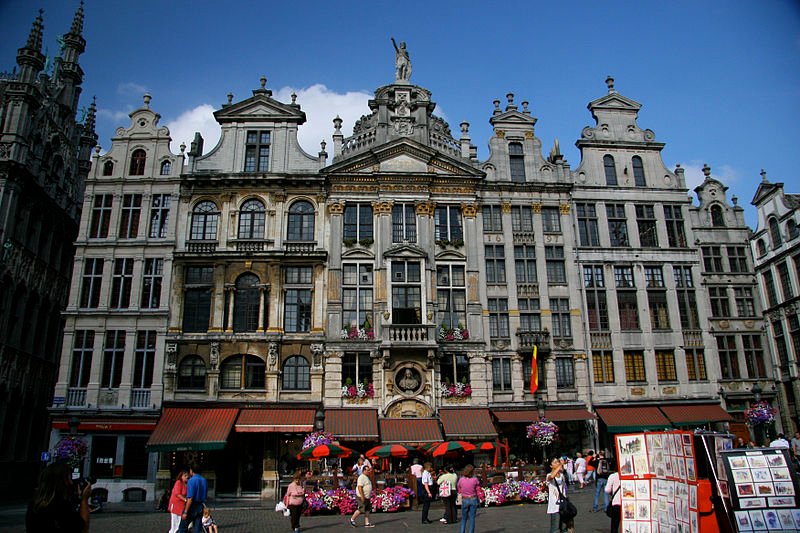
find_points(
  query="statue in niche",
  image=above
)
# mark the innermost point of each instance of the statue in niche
(402, 62)
(409, 382)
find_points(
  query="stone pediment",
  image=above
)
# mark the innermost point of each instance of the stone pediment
(451, 255)
(405, 250)
(765, 189)
(615, 101)
(513, 117)
(357, 253)
(260, 107)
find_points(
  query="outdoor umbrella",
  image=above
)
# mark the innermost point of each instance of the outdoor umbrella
(391, 450)
(451, 446)
(487, 446)
(426, 448)
(326, 450)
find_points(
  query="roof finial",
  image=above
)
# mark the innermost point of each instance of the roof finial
(706, 171)
(337, 124)
(147, 99)
(263, 82)
(294, 98)
(763, 175)
(525, 109)
(511, 105)
(496, 103)
(77, 21)
(610, 85)
(35, 36)
(230, 98)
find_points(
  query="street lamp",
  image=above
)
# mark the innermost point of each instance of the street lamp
(758, 432)
(540, 403)
(756, 390)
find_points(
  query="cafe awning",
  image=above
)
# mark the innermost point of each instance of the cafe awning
(352, 424)
(277, 420)
(515, 416)
(181, 429)
(467, 423)
(410, 430)
(695, 414)
(626, 418)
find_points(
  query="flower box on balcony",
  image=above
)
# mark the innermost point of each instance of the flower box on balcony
(357, 392)
(456, 391)
(458, 333)
(358, 334)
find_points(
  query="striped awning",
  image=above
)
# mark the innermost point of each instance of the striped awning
(633, 418)
(352, 424)
(108, 424)
(275, 420)
(467, 423)
(565, 415)
(410, 430)
(515, 416)
(695, 414)
(183, 428)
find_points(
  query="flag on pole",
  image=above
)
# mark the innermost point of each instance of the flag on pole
(534, 370)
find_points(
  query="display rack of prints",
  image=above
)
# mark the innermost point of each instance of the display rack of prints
(658, 477)
(763, 489)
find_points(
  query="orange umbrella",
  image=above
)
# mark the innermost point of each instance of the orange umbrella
(487, 446)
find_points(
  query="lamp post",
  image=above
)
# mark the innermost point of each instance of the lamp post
(758, 432)
(540, 407)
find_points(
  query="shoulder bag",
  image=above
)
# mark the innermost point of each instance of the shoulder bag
(610, 507)
(566, 509)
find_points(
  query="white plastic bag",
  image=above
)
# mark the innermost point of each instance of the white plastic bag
(286, 512)
(280, 507)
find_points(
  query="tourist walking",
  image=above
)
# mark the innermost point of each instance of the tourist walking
(177, 500)
(556, 488)
(425, 494)
(294, 498)
(591, 465)
(447, 492)
(612, 488)
(468, 489)
(363, 494)
(602, 471)
(580, 469)
(196, 492)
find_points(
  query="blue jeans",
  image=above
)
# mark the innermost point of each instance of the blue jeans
(601, 487)
(469, 506)
(195, 515)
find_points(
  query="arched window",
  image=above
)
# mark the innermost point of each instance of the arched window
(137, 162)
(204, 221)
(516, 162)
(761, 248)
(791, 230)
(296, 373)
(242, 372)
(301, 222)
(245, 303)
(638, 172)
(717, 219)
(251, 220)
(108, 168)
(610, 169)
(166, 168)
(775, 233)
(192, 373)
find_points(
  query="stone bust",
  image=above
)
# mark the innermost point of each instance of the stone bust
(409, 380)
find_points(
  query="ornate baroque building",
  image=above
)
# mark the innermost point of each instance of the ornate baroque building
(393, 291)
(44, 159)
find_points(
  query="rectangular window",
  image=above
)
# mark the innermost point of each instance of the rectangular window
(728, 358)
(687, 304)
(745, 302)
(634, 367)
(495, 263)
(451, 295)
(603, 366)
(297, 306)
(498, 318)
(101, 216)
(151, 283)
(501, 374)
(754, 356)
(129, 217)
(779, 336)
(492, 219)
(527, 359)
(454, 368)
(551, 220)
(596, 303)
(646, 221)
(447, 219)
(665, 366)
(769, 288)
(121, 283)
(623, 277)
(587, 225)
(696, 364)
(659, 314)
(356, 368)
(144, 359)
(521, 219)
(404, 223)
(516, 162)
(91, 282)
(525, 263)
(256, 154)
(357, 286)
(197, 299)
(676, 234)
(617, 225)
(406, 292)
(555, 265)
(565, 373)
(559, 312)
(159, 215)
(720, 305)
(113, 354)
(82, 349)
(530, 318)
(737, 259)
(712, 258)
(786, 281)
(358, 222)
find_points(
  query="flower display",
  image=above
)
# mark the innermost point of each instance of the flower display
(358, 334)
(760, 413)
(542, 432)
(456, 390)
(70, 449)
(458, 333)
(512, 491)
(357, 391)
(317, 438)
(343, 501)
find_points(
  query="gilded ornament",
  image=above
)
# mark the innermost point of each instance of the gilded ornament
(536, 207)
(505, 207)
(564, 208)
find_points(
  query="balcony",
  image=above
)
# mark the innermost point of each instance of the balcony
(251, 245)
(529, 339)
(409, 333)
(76, 397)
(600, 340)
(140, 399)
(693, 338)
(300, 247)
(201, 247)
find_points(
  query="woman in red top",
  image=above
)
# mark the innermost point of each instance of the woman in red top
(177, 500)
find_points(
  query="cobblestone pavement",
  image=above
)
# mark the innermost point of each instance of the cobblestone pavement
(251, 517)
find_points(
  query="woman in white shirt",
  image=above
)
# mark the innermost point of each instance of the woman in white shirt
(613, 488)
(556, 481)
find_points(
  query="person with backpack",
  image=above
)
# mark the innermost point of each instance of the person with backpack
(602, 471)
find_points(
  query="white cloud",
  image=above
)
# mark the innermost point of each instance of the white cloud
(183, 128)
(131, 89)
(694, 174)
(115, 117)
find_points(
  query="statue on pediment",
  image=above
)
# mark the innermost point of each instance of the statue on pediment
(402, 62)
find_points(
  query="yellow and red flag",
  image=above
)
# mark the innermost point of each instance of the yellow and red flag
(534, 370)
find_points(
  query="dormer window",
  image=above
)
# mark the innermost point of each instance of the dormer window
(108, 168)
(610, 169)
(256, 155)
(516, 162)
(717, 219)
(137, 162)
(166, 168)
(638, 172)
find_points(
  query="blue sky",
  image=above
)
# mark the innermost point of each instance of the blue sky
(719, 81)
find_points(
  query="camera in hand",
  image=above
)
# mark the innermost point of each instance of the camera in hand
(88, 480)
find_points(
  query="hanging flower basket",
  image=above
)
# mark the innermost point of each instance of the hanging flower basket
(317, 438)
(542, 432)
(71, 450)
(760, 413)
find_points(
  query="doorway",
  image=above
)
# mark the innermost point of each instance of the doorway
(240, 466)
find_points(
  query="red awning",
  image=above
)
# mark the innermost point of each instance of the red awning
(107, 424)
(410, 430)
(695, 414)
(182, 429)
(632, 418)
(352, 424)
(275, 420)
(565, 415)
(467, 423)
(516, 416)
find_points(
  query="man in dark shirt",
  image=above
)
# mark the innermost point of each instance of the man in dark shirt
(196, 492)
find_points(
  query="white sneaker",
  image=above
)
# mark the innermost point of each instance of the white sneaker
(443, 520)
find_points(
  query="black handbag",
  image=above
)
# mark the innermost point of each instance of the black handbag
(566, 509)
(610, 507)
